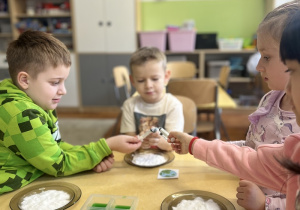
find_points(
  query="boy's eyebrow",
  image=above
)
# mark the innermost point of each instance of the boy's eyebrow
(57, 78)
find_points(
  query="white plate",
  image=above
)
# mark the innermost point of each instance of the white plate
(174, 199)
(73, 190)
(169, 157)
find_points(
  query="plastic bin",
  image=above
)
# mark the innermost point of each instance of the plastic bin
(230, 44)
(153, 39)
(214, 67)
(182, 40)
(110, 202)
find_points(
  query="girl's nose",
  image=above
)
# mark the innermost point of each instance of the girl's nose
(259, 66)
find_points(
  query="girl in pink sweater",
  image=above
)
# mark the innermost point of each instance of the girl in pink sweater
(275, 166)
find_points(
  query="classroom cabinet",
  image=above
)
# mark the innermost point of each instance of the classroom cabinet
(105, 26)
(3, 67)
(71, 99)
(105, 37)
(96, 78)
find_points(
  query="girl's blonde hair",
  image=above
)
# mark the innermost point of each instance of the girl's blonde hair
(275, 21)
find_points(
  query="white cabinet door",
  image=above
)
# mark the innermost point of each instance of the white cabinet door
(71, 99)
(89, 25)
(105, 25)
(120, 25)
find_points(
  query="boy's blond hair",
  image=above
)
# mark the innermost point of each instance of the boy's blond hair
(144, 54)
(33, 52)
(276, 20)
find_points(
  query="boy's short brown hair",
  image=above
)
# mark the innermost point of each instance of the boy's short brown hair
(33, 52)
(145, 54)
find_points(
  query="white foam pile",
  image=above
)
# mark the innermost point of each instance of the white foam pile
(148, 159)
(197, 204)
(45, 200)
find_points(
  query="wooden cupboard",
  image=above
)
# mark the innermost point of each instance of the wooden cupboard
(105, 26)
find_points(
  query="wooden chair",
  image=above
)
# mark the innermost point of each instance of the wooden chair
(121, 78)
(204, 92)
(190, 114)
(181, 69)
(224, 77)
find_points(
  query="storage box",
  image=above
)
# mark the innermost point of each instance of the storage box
(230, 44)
(214, 67)
(110, 202)
(153, 39)
(182, 40)
(206, 41)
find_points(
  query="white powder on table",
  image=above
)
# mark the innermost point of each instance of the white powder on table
(197, 204)
(148, 159)
(46, 200)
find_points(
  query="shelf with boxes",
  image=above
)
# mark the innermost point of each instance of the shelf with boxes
(52, 16)
(210, 61)
(207, 60)
(187, 45)
(5, 26)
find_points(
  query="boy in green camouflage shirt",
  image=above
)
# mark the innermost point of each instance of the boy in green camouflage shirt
(30, 142)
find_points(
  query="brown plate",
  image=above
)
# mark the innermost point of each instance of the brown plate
(174, 199)
(169, 156)
(73, 190)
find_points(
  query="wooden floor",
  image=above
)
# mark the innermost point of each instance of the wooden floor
(235, 121)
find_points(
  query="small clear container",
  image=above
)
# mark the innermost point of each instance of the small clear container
(110, 202)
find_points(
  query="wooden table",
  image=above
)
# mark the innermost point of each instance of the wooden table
(124, 179)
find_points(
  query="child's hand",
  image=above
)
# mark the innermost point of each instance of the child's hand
(123, 143)
(250, 196)
(155, 139)
(151, 140)
(180, 141)
(105, 164)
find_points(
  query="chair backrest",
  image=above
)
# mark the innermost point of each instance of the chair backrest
(189, 113)
(181, 69)
(201, 91)
(204, 92)
(121, 78)
(224, 77)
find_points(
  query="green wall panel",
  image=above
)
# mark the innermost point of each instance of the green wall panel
(228, 18)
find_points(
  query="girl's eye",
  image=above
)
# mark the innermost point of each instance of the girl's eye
(155, 79)
(289, 71)
(266, 58)
(140, 81)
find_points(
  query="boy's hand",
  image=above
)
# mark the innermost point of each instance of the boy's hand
(155, 139)
(123, 143)
(151, 140)
(250, 196)
(105, 164)
(179, 141)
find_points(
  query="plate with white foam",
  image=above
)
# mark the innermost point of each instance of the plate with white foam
(149, 158)
(191, 198)
(52, 195)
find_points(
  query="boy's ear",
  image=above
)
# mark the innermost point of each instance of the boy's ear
(23, 79)
(131, 80)
(167, 76)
